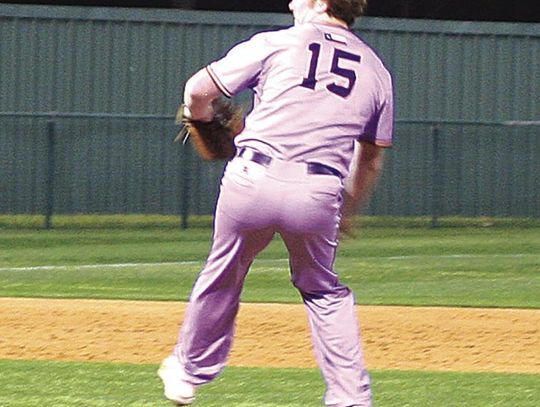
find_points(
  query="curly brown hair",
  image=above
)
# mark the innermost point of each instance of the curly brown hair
(346, 10)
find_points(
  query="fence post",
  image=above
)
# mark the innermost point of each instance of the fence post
(436, 177)
(49, 203)
(186, 181)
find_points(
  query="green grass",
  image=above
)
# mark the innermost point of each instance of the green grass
(478, 262)
(60, 384)
(496, 266)
(99, 221)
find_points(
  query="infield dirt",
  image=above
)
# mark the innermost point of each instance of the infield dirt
(273, 335)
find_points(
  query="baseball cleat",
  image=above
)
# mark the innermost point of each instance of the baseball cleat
(176, 390)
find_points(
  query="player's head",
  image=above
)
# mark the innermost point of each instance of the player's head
(305, 11)
(346, 10)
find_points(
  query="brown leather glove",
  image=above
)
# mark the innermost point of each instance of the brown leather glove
(213, 140)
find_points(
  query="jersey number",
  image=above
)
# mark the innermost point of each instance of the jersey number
(348, 74)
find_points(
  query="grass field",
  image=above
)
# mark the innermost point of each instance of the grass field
(462, 266)
(103, 385)
(465, 263)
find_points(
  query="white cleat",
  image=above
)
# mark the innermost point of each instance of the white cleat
(175, 388)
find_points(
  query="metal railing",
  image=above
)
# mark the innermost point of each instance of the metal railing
(436, 182)
(51, 132)
(437, 170)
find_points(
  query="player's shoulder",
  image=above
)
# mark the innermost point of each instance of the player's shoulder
(372, 58)
(278, 37)
(367, 49)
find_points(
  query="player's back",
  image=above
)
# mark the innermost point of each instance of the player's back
(320, 88)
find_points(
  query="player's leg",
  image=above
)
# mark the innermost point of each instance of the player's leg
(207, 332)
(333, 320)
(241, 231)
(311, 239)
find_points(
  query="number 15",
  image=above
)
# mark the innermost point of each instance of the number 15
(348, 74)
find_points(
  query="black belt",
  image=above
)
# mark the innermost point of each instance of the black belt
(265, 160)
(255, 156)
(321, 169)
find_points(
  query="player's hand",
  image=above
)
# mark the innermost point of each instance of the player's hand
(348, 227)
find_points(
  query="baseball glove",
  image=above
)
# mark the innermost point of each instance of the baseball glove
(213, 140)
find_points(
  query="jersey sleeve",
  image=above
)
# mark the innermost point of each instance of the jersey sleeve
(380, 129)
(240, 68)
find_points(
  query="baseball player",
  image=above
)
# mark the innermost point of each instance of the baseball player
(322, 100)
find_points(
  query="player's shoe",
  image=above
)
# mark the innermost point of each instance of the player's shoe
(176, 389)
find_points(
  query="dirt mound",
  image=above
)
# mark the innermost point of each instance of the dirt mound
(272, 335)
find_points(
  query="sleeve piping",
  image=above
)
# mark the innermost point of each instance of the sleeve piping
(218, 82)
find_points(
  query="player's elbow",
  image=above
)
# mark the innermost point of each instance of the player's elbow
(372, 158)
(192, 91)
(376, 165)
(200, 88)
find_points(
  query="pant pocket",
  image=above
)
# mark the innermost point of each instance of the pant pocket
(327, 189)
(244, 172)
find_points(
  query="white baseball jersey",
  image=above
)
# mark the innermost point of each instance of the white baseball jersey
(317, 88)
